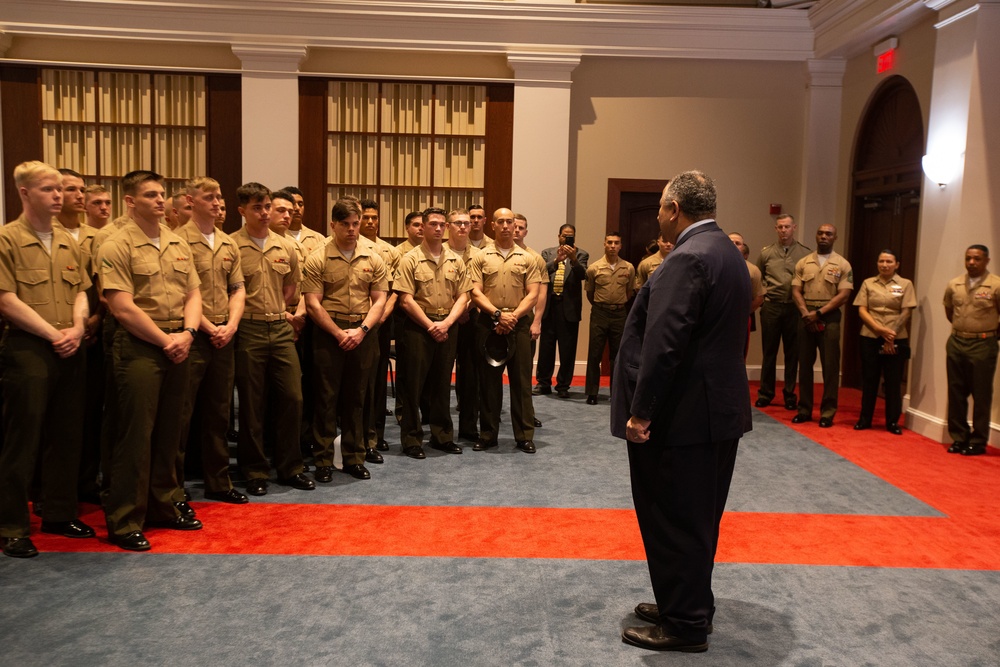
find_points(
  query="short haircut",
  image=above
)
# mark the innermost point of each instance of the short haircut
(69, 172)
(785, 216)
(411, 215)
(979, 246)
(694, 192)
(132, 180)
(341, 211)
(568, 226)
(293, 190)
(889, 251)
(351, 202)
(282, 194)
(454, 213)
(27, 174)
(520, 216)
(615, 233)
(434, 210)
(179, 194)
(201, 184)
(369, 203)
(97, 189)
(475, 207)
(251, 192)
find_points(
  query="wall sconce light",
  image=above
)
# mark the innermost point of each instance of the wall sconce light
(942, 168)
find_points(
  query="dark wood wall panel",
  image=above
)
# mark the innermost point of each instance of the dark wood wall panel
(21, 108)
(499, 146)
(225, 139)
(312, 151)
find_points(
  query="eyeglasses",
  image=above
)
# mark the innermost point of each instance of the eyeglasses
(461, 223)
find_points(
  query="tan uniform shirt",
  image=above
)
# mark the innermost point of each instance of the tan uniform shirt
(885, 302)
(435, 285)
(404, 247)
(467, 254)
(219, 269)
(777, 266)
(102, 235)
(310, 239)
(267, 271)
(346, 285)
(540, 263)
(976, 311)
(85, 239)
(390, 255)
(47, 282)
(820, 285)
(505, 280)
(609, 285)
(756, 281)
(646, 268)
(484, 243)
(157, 278)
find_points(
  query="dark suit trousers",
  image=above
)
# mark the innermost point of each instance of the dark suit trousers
(778, 326)
(873, 366)
(556, 330)
(680, 494)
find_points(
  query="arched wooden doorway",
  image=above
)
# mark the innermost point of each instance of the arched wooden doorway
(885, 195)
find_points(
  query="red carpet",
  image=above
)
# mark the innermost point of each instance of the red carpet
(968, 537)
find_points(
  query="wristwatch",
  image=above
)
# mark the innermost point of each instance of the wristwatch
(191, 331)
(496, 314)
(364, 327)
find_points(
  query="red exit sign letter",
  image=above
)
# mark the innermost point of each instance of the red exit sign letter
(886, 61)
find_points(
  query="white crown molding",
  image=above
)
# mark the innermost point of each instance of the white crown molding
(488, 26)
(846, 28)
(258, 58)
(543, 68)
(826, 73)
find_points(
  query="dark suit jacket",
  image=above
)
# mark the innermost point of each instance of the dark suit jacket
(680, 363)
(571, 303)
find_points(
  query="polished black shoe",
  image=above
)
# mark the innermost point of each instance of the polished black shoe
(825, 422)
(895, 429)
(591, 400)
(382, 446)
(541, 389)
(974, 450)
(231, 496)
(357, 471)
(178, 523)
(373, 456)
(19, 547)
(862, 425)
(73, 528)
(762, 402)
(563, 393)
(791, 404)
(526, 446)
(649, 612)
(134, 541)
(537, 423)
(957, 447)
(300, 482)
(415, 452)
(187, 496)
(801, 419)
(185, 509)
(257, 487)
(324, 474)
(469, 436)
(655, 638)
(482, 445)
(447, 447)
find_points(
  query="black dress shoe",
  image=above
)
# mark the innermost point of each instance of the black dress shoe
(973, 450)
(801, 419)
(895, 429)
(762, 402)
(862, 425)
(357, 471)
(73, 528)
(179, 523)
(373, 456)
(649, 612)
(537, 423)
(791, 404)
(655, 638)
(231, 496)
(382, 446)
(563, 393)
(185, 509)
(825, 422)
(300, 482)
(526, 446)
(957, 447)
(187, 496)
(482, 445)
(324, 474)
(257, 487)
(19, 547)
(591, 400)
(447, 447)
(134, 541)
(540, 389)
(415, 452)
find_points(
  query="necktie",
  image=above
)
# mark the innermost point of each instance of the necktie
(560, 277)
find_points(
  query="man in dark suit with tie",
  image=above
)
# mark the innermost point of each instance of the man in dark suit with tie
(567, 268)
(680, 397)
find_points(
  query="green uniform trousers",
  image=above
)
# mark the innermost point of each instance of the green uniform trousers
(828, 343)
(109, 418)
(606, 327)
(779, 325)
(425, 371)
(341, 384)
(207, 408)
(267, 371)
(151, 392)
(376, 396)
(468, 361)
(42, 412)
(522, 412)
(971, 364)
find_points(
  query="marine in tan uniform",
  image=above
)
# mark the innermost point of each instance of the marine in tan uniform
(149, 280)
(972, 304)
(649, 264)
(43, 300)
(468, 356)
(609, 286)
(520, 232)
(757, 291)
(267, 366)
(177, 211)
(308, 237)
(413, 226)
(823, 283)
(477, 231)
(212, 358)
(505, 284)
(97, 206)
(345, 288)
(433, 289)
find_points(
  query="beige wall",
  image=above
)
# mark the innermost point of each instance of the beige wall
(740, 122)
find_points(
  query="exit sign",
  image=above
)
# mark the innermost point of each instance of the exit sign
(886, 61)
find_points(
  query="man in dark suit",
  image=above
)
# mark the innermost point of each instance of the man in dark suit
(680, 397)
(567, 268)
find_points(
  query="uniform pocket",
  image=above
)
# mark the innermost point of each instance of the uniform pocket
(144, 277)
(33, 286)
(71, 285)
